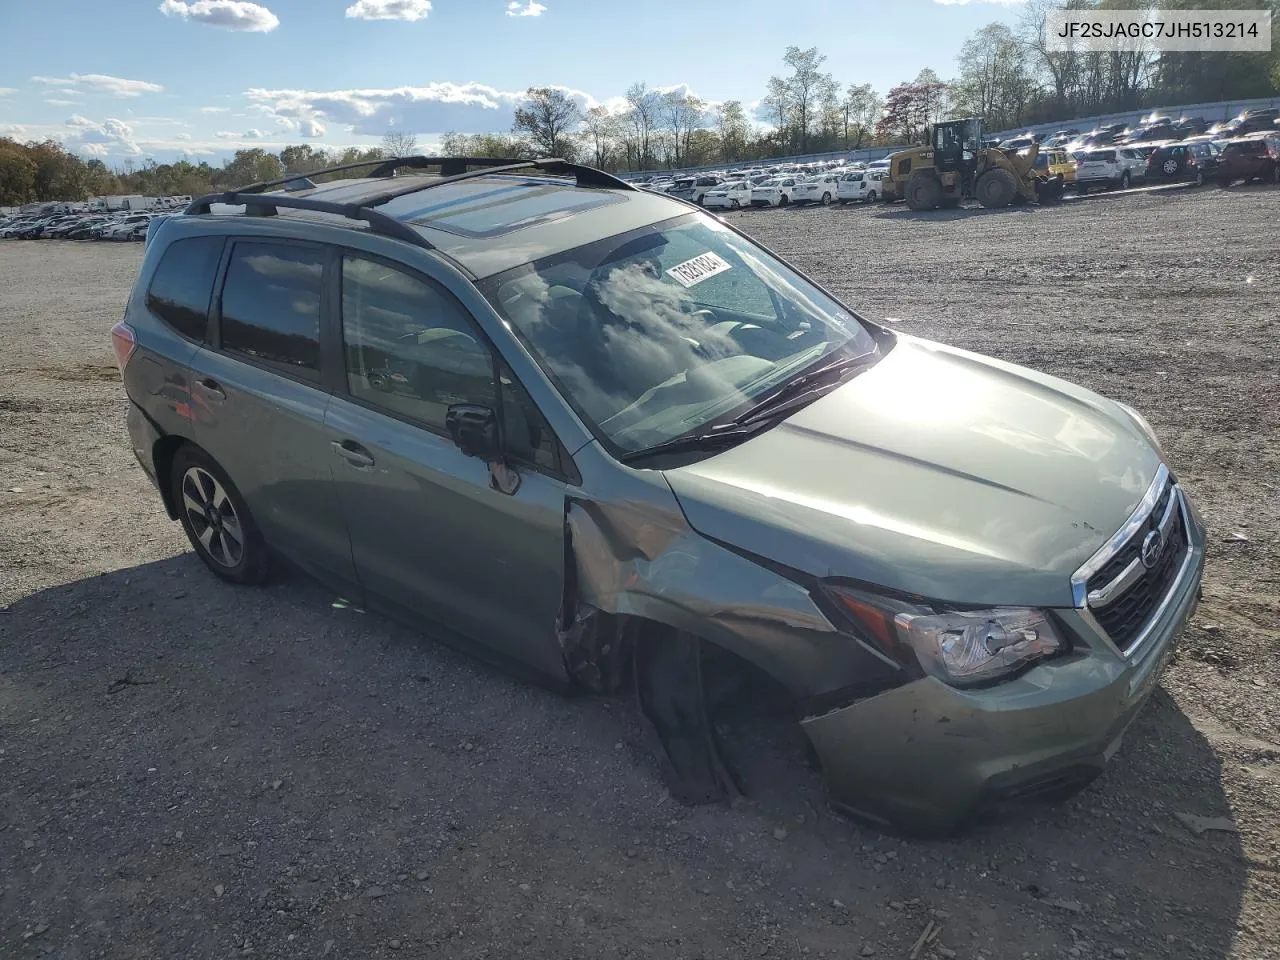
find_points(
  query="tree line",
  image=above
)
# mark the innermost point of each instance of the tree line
(1005, 74)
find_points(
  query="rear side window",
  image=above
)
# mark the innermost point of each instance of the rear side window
(271, 306)
(183, 284)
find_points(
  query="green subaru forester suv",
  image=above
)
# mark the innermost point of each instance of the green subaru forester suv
(601, 437)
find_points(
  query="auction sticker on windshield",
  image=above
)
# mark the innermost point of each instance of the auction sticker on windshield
(692, 272)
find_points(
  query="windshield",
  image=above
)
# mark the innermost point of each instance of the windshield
(661, 331)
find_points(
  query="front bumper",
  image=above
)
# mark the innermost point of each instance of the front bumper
(924, 757)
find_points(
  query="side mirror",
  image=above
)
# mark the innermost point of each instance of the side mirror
(474, 429)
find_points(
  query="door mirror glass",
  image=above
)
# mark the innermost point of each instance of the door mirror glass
(475, 430)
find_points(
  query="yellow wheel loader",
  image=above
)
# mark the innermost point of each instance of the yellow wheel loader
(952, 165)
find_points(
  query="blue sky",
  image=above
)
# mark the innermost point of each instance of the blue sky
(160, 78)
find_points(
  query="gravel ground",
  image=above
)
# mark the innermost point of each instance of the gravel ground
(191, 769)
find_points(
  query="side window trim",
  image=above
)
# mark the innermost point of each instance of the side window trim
(219, 287)
(568, 472)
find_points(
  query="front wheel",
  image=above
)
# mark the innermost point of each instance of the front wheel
(1199, 178)
(826, 199)
(871, 197)
(216, 519)
(734, 204)
(783, 200)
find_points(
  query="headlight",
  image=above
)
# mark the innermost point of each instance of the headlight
(1143, 425)
(961, 648)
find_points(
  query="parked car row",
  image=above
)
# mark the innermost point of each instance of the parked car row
(820, 183)
(77, 226)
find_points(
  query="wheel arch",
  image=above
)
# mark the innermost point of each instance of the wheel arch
(163, 452)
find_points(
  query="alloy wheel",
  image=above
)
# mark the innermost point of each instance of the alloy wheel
(213, 517)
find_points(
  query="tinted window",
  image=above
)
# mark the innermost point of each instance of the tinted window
(410, 348)
(183, 284)
(271, 306)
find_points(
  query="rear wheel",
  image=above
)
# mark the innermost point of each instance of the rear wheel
(996, 188)
(923, 191)
(734, 204)
(216, 518)
(826, 199)
(871, 197)
(1124, 180)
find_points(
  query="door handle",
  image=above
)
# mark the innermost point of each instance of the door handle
(353, 453)
(209, 387)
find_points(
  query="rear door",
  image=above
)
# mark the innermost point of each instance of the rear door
(433, 533)
(262, 401)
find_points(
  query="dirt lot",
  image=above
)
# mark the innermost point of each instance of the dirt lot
(193, 770)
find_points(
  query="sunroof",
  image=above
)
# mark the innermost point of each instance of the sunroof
(493, 206)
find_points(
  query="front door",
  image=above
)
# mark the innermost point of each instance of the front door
(432, 534)
(261, 402)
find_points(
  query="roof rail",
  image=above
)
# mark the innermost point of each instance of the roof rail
(387, 166)
(259, 203)
(266, 206)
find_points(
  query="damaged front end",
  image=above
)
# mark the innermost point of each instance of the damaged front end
(647, 599)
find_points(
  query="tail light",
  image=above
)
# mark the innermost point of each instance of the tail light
(123, 342)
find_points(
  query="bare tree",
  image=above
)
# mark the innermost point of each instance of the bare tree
(600, 129)
(397, 143)
(642, 116)
(680, 114)
(548, 119)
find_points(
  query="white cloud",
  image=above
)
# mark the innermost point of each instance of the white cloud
(250, 134)
(433, 108)
(215, 109)
(389, 9)
(110, 137)
(531, 8)
(101, 83)
(312, 129)
(5, 91)
(183, 136)
(237, 15)
(62, 103)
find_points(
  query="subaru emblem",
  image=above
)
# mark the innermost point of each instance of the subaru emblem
(1152, 547)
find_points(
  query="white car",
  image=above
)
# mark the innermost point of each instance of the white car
(863, 185)
(773, 193)
(819, 188)
(123, 230)
(729, 195)
(1109, 166)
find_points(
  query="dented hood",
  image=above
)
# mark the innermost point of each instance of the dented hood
(936, 472)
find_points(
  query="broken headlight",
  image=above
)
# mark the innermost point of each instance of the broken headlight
(963, 648)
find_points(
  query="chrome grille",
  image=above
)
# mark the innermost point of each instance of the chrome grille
(1125, 591)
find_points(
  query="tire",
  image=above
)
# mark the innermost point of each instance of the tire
(923, 191)
(826, 199)
(1170, 167)
(212, 513)
(1124, 180)
(734, 204)
(871, 197)
(1275, 173)
(996, 188)
(1199, 180)
(783, 200)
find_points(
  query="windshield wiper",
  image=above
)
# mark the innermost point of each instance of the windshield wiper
(803, 389)
(716, 438)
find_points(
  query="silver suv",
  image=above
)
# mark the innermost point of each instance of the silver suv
(594, 434)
